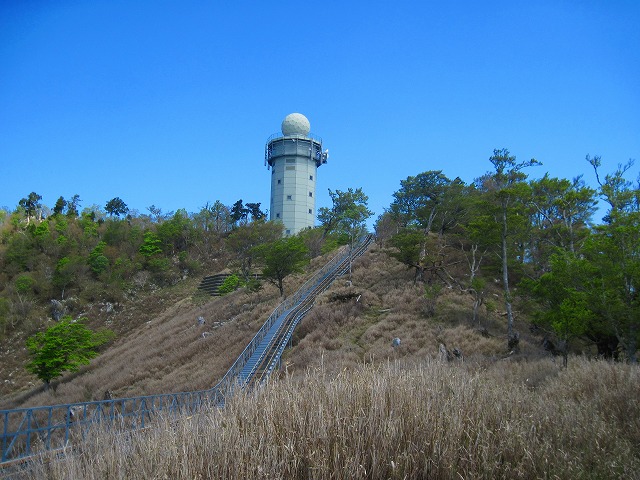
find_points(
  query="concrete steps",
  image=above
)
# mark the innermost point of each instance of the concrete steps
(211, 283)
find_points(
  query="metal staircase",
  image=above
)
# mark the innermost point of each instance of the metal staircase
(26, 431)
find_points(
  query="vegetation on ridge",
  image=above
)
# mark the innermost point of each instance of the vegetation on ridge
(457, 241)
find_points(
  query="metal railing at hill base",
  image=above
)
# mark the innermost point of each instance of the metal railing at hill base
(26, 431)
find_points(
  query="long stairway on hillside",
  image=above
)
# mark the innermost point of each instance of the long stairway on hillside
(26, 431)
(263, 353)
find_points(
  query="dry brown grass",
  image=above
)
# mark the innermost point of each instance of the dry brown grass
(352, 324)
(169, 353)
(394, 420)
(161, 349)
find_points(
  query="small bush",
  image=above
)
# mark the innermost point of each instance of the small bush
(24, 283)
(230, 284)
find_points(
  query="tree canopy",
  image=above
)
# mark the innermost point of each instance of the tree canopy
(347, 216)
(281, 258)
(509, 229)
(63, 347)
(116, 207)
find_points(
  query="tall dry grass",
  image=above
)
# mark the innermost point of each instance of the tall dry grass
(353, 323)
(168, 353)
(426, 420)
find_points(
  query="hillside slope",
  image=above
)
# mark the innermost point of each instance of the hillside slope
(161, 347)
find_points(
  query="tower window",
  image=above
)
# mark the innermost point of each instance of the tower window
(288, 197)
(290, 168)
(310, 177)
(288, 232)
(310, 212)
(279, 181)
(311, 194)
(277, 215)
(291, 160)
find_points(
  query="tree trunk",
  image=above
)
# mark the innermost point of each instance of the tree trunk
(476, 304)
(477, 301)
(505, 274)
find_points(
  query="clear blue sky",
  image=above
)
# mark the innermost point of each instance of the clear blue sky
(170, 103)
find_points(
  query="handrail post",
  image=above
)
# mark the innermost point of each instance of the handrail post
(28, 431)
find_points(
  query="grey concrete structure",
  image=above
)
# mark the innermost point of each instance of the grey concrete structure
(293, 158)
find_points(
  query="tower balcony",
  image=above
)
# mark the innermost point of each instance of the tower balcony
(308, 146)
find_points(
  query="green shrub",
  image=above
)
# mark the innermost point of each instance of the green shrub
(97, 261)
(24, 283)
(231, 283)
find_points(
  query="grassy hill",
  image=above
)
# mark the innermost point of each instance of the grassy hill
(347, 403)
(161, 348)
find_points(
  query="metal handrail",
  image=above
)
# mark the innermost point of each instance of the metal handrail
(281, 337)
(310, 136)
(26, 430)
(287, 304)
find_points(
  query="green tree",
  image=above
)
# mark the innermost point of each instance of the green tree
(116, 206)
(24, 284)
(616, 190)
(151, 245)
(175, 232)
(507, 188)
(67, 272)
(421, 199)
(409, 245)
(564, 296)
(347, 215)
(615, 250)
(426, 202)
(239, 213)
(19, 254)
(42, 230)
(63, 347)
(243, 240)
(31, 205)
(560, 214)
(281, 258)
(220, 215)
(255, 212)
(72, 206)
(61, 203)
(97, 260)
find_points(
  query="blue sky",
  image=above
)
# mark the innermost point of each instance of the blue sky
(170, 103)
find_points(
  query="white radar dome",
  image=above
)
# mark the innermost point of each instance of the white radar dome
(295, 124)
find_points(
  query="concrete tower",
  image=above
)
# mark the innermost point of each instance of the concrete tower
(294, 158)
